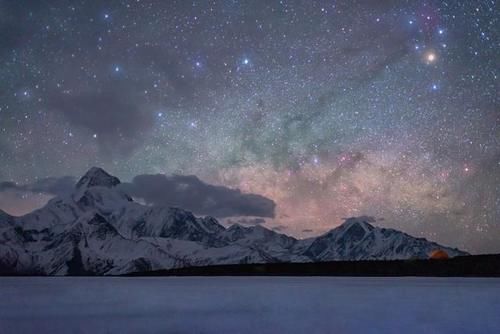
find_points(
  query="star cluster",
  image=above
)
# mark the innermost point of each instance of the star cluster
(329, 108)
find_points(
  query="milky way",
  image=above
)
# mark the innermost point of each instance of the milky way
(329, 108)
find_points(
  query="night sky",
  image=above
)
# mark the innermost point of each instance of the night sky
(329, 109)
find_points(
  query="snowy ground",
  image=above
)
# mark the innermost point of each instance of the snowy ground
(249, 305)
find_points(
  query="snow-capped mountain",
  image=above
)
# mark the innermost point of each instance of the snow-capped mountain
(99, 229)
(356, 239)
(280, 246)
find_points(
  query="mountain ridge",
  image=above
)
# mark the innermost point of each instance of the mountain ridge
(99, 229)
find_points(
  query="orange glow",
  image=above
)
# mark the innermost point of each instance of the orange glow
(439, 254)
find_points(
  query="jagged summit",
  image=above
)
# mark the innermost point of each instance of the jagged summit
(236, 227)
(249, 229)
(358, 223)
(357, 239)
(97, 177)
(103, 231)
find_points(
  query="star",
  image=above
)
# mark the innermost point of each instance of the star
(289, 100)
(430, 57)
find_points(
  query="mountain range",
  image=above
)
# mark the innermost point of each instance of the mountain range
(99, 229)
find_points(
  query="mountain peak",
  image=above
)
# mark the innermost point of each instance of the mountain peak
(362, 221)
(96, 176)
(236, 227)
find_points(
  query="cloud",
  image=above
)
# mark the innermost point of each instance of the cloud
(112, 114)
(57, 186)
(180, 84)
(385, 48)
(15, 26)
(190, 193)
(7, 185)
(186, 192)
(20, 203)
(20, 199)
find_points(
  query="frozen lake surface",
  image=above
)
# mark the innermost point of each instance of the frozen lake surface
(249, 305)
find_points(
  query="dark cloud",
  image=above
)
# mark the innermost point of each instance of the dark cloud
(179, 87)
(186, 192)
(7, 185)
(112, 114)
(16, 26)
(11, 35)
(382, 45)
(390, 48)
(57, 186)
(190, 193)
(20, 199)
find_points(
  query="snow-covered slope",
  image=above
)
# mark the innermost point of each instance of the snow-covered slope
(99, 229)
(356, 239)
(279, 246)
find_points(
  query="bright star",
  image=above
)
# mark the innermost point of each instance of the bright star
(430, 57)
(246, 61)
(117, 69)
